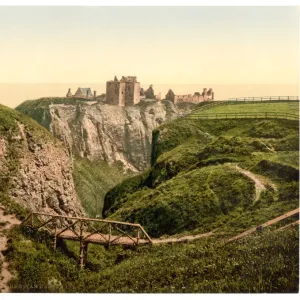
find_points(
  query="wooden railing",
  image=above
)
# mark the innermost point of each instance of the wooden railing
(86, 230)
(243, 115)
(268, 98)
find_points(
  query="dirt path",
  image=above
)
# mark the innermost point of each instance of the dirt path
(260, 227)
(289, 225)
(259, 186)
(7, 221)
(182, 239)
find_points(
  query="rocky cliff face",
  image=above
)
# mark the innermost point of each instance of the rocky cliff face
(111, 133)
(35, 168)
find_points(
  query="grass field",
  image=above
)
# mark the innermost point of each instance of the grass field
(279, 107)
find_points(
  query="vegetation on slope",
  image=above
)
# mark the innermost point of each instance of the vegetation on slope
(93, 180)
(193, 184)
(265, 262)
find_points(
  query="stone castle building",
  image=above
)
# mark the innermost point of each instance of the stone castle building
(82, 93)
(196, 98)
(123, 92)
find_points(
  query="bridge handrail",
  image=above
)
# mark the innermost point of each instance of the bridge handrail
(83, 219)
(89, 220)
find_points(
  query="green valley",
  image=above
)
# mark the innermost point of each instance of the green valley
(219, 176)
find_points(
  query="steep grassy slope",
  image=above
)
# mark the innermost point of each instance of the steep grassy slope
(194, 184)
(93, 180)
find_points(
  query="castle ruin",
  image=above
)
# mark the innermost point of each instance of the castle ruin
(85, 93)
(196, 98)
(123, 92)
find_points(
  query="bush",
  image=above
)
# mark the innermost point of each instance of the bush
(289, 191)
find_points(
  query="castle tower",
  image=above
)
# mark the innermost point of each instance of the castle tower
(124, 92)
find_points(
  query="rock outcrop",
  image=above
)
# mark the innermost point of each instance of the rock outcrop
(36, 170)
(108, 132)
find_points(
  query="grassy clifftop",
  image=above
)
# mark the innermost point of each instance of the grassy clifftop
(38, 109)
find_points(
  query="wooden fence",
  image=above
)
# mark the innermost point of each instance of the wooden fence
(268, 98)
(243, 115)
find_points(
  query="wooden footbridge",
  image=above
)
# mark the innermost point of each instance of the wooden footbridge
(86, 230)
(111, 233)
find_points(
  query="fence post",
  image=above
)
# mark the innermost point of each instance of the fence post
(109, 233)
(138, 236)
(81, 247)
(288, 97)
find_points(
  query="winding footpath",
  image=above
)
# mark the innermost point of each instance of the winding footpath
(259, 186)
(7, 221)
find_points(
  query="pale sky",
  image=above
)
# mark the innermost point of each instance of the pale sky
(257, 45)
(159, 45)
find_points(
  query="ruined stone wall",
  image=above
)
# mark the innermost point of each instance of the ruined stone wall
(112, 92)
(122, 94)
(78, 94)
(158, 97)
(129, 89)
(136, 95)
(189, 98)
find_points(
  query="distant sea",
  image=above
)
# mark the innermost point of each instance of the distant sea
(13, 94)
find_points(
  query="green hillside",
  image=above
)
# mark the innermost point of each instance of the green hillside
(194, 184)
(197, 183)
(262, 263)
